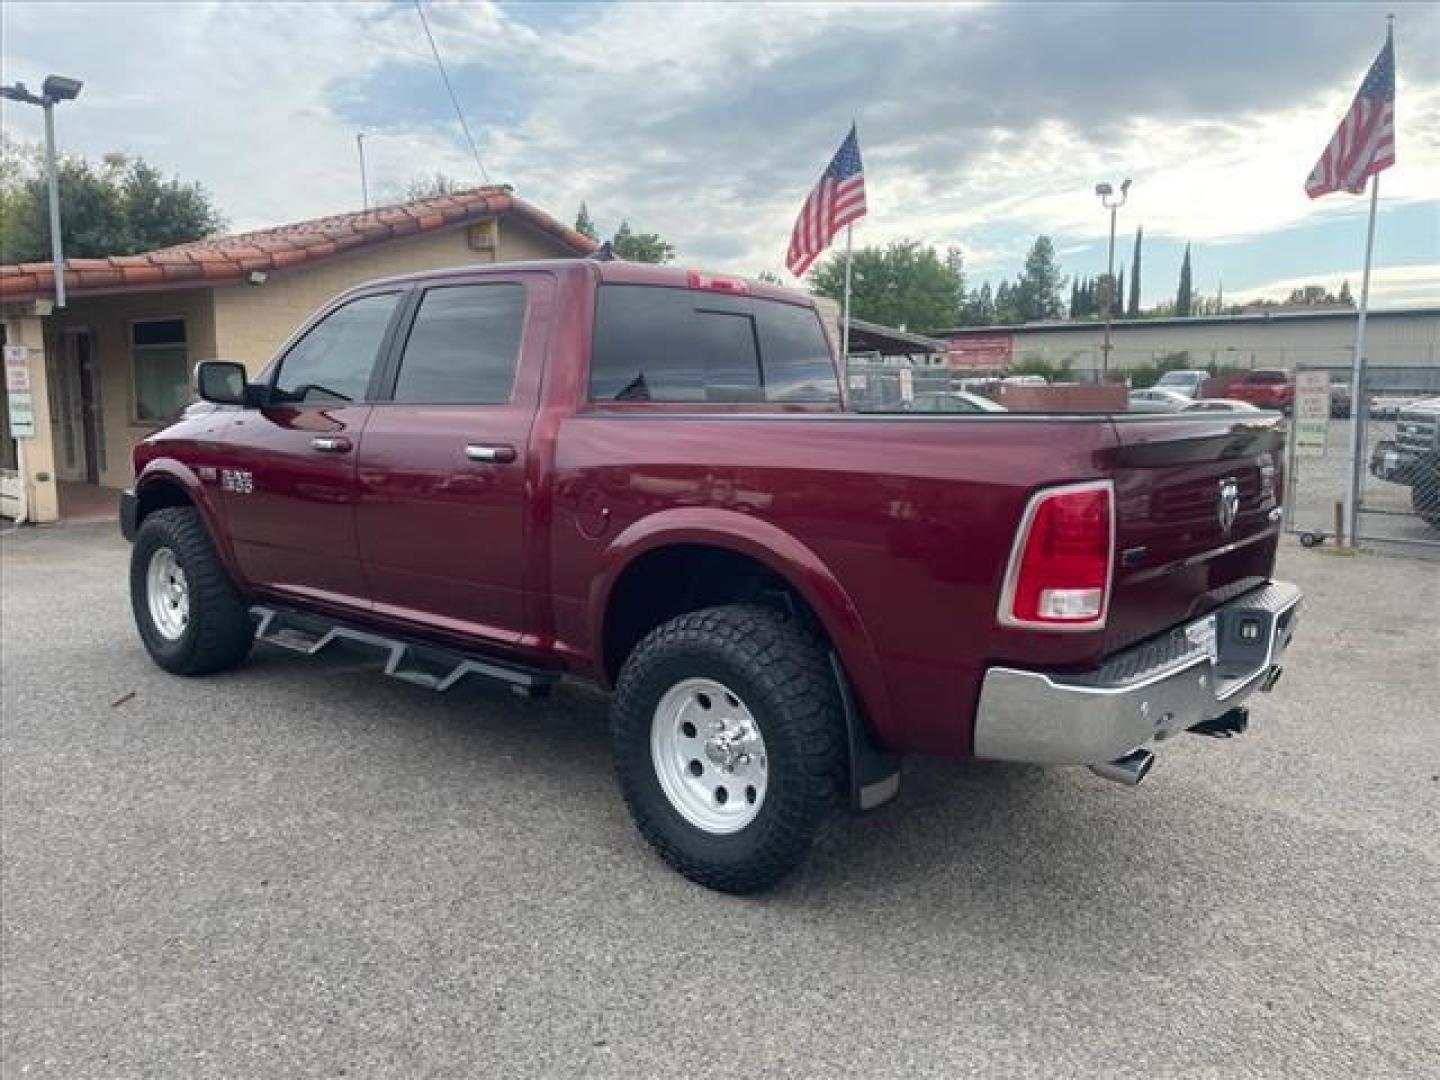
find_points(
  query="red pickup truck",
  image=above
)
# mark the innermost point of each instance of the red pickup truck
(1264, 387)
(649, 477)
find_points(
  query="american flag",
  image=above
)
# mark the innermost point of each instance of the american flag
(1364, 143)
(838, 199)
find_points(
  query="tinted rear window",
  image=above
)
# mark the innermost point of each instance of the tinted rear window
(463, 345)
(662, 344)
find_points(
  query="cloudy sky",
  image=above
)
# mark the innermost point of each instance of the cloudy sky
(981, 124)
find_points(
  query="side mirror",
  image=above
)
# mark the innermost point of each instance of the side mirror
(221, 382)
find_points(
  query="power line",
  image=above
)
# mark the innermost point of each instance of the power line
(464, 125)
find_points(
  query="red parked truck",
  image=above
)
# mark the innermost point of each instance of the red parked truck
(1267, 388)
(649, 478)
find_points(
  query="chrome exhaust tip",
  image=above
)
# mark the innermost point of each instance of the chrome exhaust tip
(1128, 770)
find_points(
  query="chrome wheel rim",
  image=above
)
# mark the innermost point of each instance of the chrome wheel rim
(709, 756)
(168, 594)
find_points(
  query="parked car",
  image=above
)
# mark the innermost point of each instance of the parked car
(954, 401)
(1389, 406)
(645, 477)
(1412, 458)
(1157, 400)
(1269, 388)
(1220, 405)
(1187, 382)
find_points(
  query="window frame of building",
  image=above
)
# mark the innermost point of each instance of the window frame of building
(136, 351)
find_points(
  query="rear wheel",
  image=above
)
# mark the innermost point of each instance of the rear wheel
(189, 614)
(729, 742)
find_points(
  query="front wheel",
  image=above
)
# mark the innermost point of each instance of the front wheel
(189, 614)
(729, 741)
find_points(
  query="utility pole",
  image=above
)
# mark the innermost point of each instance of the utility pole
(1109, 202)
(364, 184)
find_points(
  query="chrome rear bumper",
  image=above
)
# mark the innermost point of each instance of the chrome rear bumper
(1195, 673)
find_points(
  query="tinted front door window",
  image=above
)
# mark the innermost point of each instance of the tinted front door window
(332, 363)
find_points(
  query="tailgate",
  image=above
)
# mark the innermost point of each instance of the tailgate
(1197, 517)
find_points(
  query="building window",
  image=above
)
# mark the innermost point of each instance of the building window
(161, 363)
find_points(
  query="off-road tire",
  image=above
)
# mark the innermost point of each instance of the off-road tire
(219, 633)
(782, 673)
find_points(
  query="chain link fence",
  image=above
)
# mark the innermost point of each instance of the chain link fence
(1399, 468)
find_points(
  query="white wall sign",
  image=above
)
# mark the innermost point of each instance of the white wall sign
(17, 392)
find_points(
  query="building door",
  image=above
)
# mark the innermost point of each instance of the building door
(82, 346)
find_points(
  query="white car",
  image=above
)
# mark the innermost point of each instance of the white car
(1183, 382)
(1217, 404)
(1157, 400)
(955, 401)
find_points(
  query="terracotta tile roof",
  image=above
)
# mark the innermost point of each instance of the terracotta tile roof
(230, 258)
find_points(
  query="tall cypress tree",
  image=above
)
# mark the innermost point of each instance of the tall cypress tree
(584, 225)
(1132, 309)
(1183, 296)
(1074, 299)
(1119, 312)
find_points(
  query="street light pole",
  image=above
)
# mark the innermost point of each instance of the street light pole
(57, 252)
(1105, 191)
(57, 88)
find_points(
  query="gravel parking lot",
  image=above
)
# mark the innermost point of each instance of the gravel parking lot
(305, 869)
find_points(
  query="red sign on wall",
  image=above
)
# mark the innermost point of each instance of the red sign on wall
(980, 352)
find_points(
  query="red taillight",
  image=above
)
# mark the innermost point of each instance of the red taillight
(717, 282)
(1059, 574)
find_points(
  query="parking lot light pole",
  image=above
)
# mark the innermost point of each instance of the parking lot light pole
(56, 88)
(1111, 203)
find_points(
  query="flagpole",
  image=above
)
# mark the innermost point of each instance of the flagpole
(1357, 375)
(845, 315)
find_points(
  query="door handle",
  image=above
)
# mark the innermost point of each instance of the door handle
(331, 444)
(491, 455)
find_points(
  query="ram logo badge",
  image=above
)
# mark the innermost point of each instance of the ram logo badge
(240, 481)
(1229, 506)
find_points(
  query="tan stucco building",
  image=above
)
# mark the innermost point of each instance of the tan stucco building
(115, 363)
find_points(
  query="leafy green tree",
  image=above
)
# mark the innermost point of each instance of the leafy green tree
(769, 277)
(1132, 309)
(584, 225)
(1039, 289)
(904, 283)
(117, 206)
(980, 307)
(1184, 296)
(422, 187)
(955, 263)
(1007, 307)
(640, 247)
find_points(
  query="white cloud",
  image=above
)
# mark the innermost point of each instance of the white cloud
(708, 123)
(1390, 286)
